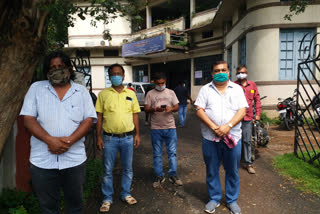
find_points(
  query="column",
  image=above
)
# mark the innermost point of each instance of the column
(148, 17)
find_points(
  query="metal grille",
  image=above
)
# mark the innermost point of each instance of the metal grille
(307, 127)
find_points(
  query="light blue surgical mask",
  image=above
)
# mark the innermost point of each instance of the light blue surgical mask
(220, 77)
(116, 80)
(160, 88)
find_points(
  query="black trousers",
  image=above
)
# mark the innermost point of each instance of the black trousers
(47, 184)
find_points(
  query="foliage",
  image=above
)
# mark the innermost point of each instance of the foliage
(63, 13)
(308, 158)
(94, 172)
(296, 7)
(18, 202)
(306, 176)
(264, 118)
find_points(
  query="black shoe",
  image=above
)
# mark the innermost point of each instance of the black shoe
(175, 180)
(158, 181)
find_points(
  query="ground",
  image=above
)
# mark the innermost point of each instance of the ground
(264, 192)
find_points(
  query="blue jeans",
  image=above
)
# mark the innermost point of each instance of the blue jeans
(111, 147)
(213, 153)
(47, 183)
(182, 114)
(169, 136)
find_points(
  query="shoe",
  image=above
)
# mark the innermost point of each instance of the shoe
(175, 180)
(211, 207)
(234, 208)
(158, 181)
(105, 207)
(251, 169)
(180, 126)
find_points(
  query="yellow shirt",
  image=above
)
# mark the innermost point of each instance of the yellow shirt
(117, 109)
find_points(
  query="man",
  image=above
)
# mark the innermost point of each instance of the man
(117, 109)
(251, 92)
(58, 113)
(221, 105)
(161, 103)
(183, 96)
(130, 87)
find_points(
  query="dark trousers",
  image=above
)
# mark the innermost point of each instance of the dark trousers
(47, 184)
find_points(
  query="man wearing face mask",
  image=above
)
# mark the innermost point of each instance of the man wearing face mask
(161, 102)
(117, 109)
(221, 105)
(58, 113)
(252, 94)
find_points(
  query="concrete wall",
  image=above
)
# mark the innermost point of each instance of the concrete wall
(203, 18)
(8, 162)
(252, 3)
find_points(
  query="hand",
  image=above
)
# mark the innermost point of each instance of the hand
(100, 143)
(57, 146)
(224, 129)
(136, 142)
(159, 109)
(257, 117)
(168, 109)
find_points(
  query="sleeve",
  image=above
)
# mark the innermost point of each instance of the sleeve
(201, 100)
(241, 99)
(257, 100)
(99, 103)
(89, 110)
(147, 101)
(174, 99)
(135, 106)
(29, 107)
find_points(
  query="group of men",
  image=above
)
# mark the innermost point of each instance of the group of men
(58, 113)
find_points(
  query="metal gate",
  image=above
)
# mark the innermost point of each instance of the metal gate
(82, 66)
(307, 129)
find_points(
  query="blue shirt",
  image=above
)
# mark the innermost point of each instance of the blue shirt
(60, 118)
(221, 108)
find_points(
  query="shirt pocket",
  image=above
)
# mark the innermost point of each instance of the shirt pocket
(250, 95)
(128, 106)
(76, 114)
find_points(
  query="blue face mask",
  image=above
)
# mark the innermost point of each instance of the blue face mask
(220, 77)
(116, 80)
(160, 88)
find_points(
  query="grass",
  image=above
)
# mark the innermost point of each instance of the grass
(305, 176)
(272, 121)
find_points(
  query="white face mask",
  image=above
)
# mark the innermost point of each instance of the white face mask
(160, 88)
(242, 76)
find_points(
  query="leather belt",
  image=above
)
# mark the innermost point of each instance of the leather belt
(118, 135)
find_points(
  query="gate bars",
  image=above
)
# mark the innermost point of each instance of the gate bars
(306, 145)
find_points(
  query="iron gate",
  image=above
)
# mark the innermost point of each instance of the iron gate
(307, 129)
(82, 66)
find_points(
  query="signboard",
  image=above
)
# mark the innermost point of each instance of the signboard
(145, 46)
(198, 74)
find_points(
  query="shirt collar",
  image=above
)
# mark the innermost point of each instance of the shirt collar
(114, 90)
(229, 84)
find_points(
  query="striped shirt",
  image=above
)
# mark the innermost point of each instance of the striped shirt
(60, 118)
(221, 108)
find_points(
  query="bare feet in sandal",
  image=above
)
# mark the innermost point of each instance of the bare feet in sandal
(130, 200)
(105, 207)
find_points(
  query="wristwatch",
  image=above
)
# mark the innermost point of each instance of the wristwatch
(230, 125)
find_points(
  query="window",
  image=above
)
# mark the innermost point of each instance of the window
(229, 55)
(111, 52)
(203, 68)
(207, 34)
(106, 76)
(139, 89)
(289, 57)
(82, 53)
(242, 53)
(83, 76)
(140, 73)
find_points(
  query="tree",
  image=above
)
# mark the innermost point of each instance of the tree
(296, 7)
(24, 28)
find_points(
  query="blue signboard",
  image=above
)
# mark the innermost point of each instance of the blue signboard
(145, 46)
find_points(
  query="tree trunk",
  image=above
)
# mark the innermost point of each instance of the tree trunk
(23, 28)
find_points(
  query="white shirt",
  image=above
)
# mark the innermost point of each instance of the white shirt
(221, 108)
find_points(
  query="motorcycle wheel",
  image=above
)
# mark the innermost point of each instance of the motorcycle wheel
(288, 122)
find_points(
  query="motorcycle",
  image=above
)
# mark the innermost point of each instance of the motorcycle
(260, 135)
(287, 109)
(315, 103)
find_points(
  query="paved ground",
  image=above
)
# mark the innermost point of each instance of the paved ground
(265, 192)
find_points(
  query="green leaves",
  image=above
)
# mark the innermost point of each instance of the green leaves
(297, 7)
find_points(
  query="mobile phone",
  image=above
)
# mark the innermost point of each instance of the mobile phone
(163, 106)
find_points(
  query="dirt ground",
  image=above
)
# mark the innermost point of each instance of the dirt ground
(264, 192)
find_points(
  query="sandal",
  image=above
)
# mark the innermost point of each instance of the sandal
(130, 200)
(105, 207)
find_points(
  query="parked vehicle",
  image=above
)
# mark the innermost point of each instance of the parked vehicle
(260, 135)
(141, 88)
(315, 103)
(287, 111)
